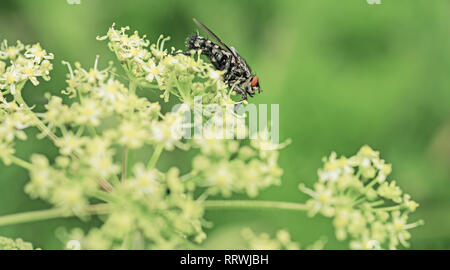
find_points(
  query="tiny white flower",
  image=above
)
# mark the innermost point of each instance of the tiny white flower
(37, 54)
(152, 72)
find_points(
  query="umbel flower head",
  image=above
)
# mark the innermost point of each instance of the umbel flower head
(14, 119)
(365, 206)
(152, 66)
(281, 241)
(14, 244)
(18, 64)
(106, 120)
(21, 63)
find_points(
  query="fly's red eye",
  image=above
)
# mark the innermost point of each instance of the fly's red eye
(254, 81)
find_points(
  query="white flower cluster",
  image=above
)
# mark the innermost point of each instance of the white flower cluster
(365, 206)
(179, 75)
(104, 131)
(153, 211)
(18, 64)
(14, 119)
(227, 166)
(14, 244)
(263, 241)
(21, 63)
(281, 241)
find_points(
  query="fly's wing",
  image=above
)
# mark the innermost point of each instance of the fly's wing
(216, 38)
(241, 61)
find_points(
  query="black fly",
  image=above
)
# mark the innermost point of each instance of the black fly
(237, 73)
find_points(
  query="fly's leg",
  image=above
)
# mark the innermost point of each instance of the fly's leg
(243, 97)
(236, 107)
(242, 92)
(234, 85)
(187, 53)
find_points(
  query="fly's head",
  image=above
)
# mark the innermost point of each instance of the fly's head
(252, 85)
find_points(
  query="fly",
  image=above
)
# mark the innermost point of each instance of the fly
(237, 73)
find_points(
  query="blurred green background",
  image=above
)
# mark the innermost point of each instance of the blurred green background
(345, 74)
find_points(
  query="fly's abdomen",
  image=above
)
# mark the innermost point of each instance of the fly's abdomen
(218, 57)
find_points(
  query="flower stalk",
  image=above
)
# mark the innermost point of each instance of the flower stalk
(254, 205)
(41, 126)
(155, 156)
(14, 219)
(104, 208)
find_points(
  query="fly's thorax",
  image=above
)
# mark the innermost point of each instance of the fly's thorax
(238, 72)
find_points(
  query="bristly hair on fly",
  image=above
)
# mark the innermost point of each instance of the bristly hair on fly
(237, 73)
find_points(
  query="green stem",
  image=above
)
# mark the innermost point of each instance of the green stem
(389, 208)
(92, 130)
(103, 195)
(124, 163)
(414, 225)
(158, 150)
(130, 161)
(249, 204)
(143, 83)
(373, 182)
(41, 126)
(183, 95)
(359, 200)
(104, 208)
(376, 203)
(26, 217)
(188, 177)
(20, 162)
(132, 85)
